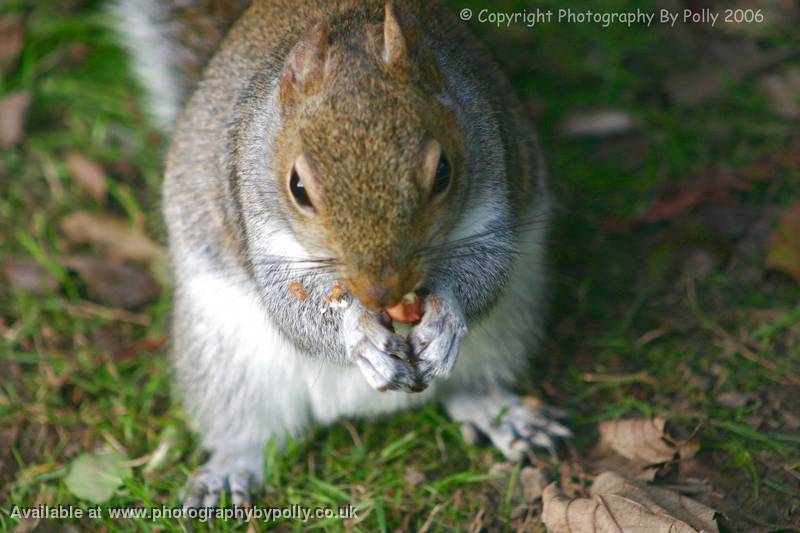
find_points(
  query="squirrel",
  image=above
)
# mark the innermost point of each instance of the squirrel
(368, 145)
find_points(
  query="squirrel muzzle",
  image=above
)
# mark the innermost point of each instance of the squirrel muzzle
(378, 291)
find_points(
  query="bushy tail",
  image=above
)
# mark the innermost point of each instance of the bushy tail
(170, 42)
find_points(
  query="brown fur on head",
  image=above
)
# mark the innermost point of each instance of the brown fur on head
(363, 129)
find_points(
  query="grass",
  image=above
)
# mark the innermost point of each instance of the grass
(662, 339)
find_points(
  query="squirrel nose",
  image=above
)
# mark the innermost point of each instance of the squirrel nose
(377, 293)
(383, 297)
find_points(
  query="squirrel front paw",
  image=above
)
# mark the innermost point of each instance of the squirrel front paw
(435, 341)
(382, 355)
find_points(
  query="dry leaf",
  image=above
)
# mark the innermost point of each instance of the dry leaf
(680, 198)
(88, 175)
(13, 110)
(25, 273)
(657, 499)
(618, 504)
(730, 62)
(114, 283)
(413, 476)
(533, 481)
(571, 477)
(112, 236)
(792, 421)
(784, 245)
(639, 440)
(776, 15)
(27, 525)
(12, 37)
(598, 123)
(715, 186)
(149, 345)
(634, 447)
(529, 484)
(733, 400)
(783, 93)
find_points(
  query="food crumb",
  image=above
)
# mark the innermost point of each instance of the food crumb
(297, 290)
(336, 294)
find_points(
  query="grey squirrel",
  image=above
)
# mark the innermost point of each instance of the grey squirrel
(334, 157)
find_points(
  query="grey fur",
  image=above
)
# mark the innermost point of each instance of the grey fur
(246, 351)
(163, 38)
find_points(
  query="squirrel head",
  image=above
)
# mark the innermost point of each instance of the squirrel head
(370, 158)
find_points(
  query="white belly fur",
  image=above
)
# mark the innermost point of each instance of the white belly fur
(280, 391)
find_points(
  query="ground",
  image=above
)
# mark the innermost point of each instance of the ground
(662, 301)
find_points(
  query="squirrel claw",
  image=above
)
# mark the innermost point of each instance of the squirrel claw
(435, 341)
(515, 426)
(384, 372)
(205, 487)
(419, 388)
(381, 355)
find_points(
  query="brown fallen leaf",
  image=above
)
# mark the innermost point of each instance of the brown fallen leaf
(756, 18)
(728, 62)
(112, 236)
(114, 283)
(148, 346)
(733, 400)
(529, 483)
(784, 244)
(792, 421)
(413, 476)
(618, 504)
(783, 93)
(681, 198)
(714, 187)
(638, 447)
(533, 480)
(599, 123)
(13, 110)
(27, 525)
(26, 274)
(88, 175)
(12, 37)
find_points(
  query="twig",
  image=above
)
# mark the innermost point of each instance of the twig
(642, 376)
(651, 335)
(427, 525)
(91, 309)
(742, 349)
(353, 433)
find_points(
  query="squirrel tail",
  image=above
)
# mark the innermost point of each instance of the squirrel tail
(170, 42)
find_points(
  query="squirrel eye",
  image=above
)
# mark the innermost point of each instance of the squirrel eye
(441, 179)
(298, 190)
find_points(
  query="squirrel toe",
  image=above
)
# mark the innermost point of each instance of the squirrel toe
(206, 486)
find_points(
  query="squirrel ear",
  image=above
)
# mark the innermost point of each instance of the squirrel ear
(305, 67)
(399, 35)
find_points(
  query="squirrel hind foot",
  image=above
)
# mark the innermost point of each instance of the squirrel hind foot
(206, 486)
(514, 426)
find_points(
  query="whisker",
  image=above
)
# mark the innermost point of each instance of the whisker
(483, 252)
(496, 230)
